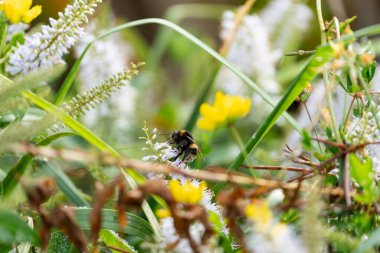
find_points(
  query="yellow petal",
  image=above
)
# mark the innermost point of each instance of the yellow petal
(22, 5)
(32, 14)
(206, 110)
(206, 124)
(12, 11)
(203, 185)
(194, 193)
(163, 213)
(219, 99)
(175, 190)
(259, 212)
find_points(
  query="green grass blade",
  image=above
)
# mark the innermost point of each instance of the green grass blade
(110, 238)
(28, 81)
(13, 176)
(311, 70)
(63, 182)
(71, 122)
(135, 225)
(175, 14)
(54, 137)
(190, 124)
(74, 70)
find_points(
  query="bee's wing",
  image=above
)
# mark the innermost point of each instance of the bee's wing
(190, 138)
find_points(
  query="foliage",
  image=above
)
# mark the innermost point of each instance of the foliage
(263, 164)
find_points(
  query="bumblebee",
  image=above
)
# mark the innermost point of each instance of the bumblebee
(184, 142)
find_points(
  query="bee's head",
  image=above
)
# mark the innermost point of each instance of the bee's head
(174, 136)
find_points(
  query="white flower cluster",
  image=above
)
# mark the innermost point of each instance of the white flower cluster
(287, 21)
(46, 48)
(103, 59)
(163, 153)
(16, 28)
(364, 129)
(251, 51)
(259, 43)
(279, 239)
(170, 236)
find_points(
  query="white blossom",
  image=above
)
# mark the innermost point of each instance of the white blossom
(258, 45)
(45, 49)
(250, 50)
(15, 29)
(279, 239)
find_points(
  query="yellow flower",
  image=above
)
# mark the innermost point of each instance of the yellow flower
(187, 193)
(19, 10)
(163, 213)
(259, 212)
(225, 109)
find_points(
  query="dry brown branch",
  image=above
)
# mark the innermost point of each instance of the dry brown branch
(264, 167)
(239, 17)
(211, 173)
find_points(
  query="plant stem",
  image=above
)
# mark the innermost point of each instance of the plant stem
(328, 83)
(235, 134)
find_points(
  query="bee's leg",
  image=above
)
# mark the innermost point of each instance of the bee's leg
(186, 156)
(179, 154)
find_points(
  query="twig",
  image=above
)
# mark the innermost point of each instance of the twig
(346, 180)
(214, 174)
(331, 143)
(238, 19)
(300, 53)
(265, 167)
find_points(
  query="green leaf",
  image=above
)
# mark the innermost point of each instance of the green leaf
(364, 175)
(345, 23)
(3, 35)
(70, 122)
(63, 182)
(14, 175)
(306, 139)
(362, 172)
(340, 82)
(25, 247)
(16, 39)
(349, 82)
(368, 72)
(110, 238)
(59, 243)
(14, 230)
(135, 225)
